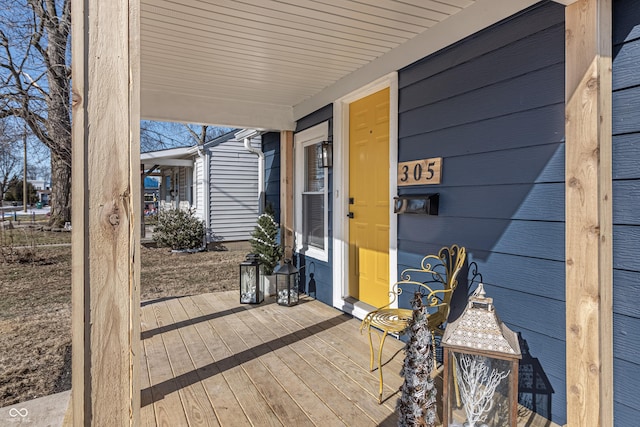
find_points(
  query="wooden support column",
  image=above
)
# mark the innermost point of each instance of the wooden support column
(589, 259)
(143, 231)
(286, 190)
(106, 212)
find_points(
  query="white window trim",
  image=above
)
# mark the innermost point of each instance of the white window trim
(341, 181)
(303, 139)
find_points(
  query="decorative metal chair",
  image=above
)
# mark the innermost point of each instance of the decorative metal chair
(440, 280)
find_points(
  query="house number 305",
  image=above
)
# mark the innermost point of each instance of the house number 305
(420, 172)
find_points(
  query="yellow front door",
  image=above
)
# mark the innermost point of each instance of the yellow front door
(369, 199)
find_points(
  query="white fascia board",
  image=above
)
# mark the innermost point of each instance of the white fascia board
(481, 14)
(167, 162)
(170, 153)
(246, 133)
(176, 107)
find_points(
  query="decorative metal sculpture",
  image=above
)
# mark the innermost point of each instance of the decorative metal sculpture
(477, 383)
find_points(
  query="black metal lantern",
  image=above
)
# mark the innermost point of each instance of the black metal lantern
(327, 154)
(287, 277)
(251, 290)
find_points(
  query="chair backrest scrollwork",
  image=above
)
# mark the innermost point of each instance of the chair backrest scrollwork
(436, 279)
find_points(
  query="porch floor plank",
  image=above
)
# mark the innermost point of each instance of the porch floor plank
(186, 343)
(247, 342)
(332, 362)
(253, 403)
(225, 404)
(348, 341)
(168, 408)
(192, 394)
(209, 360)
(147, 412)
(319, 413)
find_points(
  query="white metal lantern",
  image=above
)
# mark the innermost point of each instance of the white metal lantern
(481, 358)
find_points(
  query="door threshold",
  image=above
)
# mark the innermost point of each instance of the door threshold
(355, 307)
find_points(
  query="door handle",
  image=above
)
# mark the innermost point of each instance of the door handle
(350, 215)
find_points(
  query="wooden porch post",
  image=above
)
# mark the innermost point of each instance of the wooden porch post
(106, 212)
(286, 190)
(589, 259)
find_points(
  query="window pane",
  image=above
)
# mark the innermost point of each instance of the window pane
(313, 220)
(314, 172)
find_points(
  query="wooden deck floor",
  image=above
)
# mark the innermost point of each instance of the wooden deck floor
(209, 360)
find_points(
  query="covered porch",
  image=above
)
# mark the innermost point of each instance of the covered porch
(209, 360)
(248, 65)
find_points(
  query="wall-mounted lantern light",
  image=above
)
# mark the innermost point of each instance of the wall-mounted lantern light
(327, 154)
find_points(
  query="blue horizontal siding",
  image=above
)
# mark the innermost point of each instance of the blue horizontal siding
(626, 201)
(271, 150)
(626, 104)
(626, 338)
(626, 21)
(626, 156)
(624, 415)
(626, 208)
(492, 106)
(509, 201)
(625, 65)
(520, 26)
(626, 246)
(625, 388)
(522, 129)
(538, 239)
(492, 68)
(625, 292)
(323, 114)
(537, 89)
(534, 164)
(319, 286)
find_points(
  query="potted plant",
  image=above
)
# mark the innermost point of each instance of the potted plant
(264, 243)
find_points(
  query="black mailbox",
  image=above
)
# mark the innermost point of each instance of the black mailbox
(425, 204)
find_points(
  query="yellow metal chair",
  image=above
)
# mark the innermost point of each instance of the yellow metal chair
(436, 279)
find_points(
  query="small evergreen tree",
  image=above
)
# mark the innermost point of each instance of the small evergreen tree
(264, 241)
(179, 229)
(417, 404)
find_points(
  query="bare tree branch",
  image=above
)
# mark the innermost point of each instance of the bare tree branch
(35, 83)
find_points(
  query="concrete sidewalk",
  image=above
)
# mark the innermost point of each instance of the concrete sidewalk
(47, 411)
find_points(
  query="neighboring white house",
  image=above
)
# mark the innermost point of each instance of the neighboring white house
(43, 189)
(219, 181)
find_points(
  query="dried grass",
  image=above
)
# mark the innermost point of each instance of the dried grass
(35, 310)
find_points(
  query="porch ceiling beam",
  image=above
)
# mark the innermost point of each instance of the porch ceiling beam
(468, 21)
(176, 107)
(589, 224)
(105, 277)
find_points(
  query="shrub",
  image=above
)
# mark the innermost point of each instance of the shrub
(179, 229)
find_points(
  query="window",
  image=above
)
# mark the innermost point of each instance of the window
(311, 193)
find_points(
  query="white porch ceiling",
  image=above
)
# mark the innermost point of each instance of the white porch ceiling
(266, 63)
